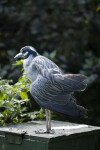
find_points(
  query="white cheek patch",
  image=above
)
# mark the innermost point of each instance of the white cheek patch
(26, 54)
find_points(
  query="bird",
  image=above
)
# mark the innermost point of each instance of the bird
(50, 87)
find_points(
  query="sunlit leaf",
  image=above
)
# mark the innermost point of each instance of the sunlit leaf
(18, 62)
(1, 115)
(23, 95)
(2, 96)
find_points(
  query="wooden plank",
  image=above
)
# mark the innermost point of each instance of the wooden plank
(26, 144)
(67, 136)
(60, 131)
(83, 143)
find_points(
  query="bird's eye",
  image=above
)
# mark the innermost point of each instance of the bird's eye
(22, 52)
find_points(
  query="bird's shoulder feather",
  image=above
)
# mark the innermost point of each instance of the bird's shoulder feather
(46, 67)
(44, 62)
(49, 70)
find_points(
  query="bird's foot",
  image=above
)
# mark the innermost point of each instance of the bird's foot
(44, 131)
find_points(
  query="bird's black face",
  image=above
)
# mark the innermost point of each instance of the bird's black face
(25, 52)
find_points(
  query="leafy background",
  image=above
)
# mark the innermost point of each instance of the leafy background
(68, 32)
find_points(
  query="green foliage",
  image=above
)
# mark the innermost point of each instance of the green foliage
(14, 102)
(51, 55)
(91, 67)
(37, 115)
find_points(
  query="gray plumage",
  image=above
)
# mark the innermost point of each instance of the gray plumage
(51, 88)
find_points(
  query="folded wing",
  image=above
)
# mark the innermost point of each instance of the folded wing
(53, 90)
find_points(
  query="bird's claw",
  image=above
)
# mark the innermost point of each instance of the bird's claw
(44, 131)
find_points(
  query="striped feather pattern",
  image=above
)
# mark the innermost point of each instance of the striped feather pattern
(53, 90)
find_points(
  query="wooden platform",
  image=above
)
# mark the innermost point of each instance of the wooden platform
(67, 136)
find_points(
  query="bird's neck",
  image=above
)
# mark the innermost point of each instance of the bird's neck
(29, 69)
(28, 61)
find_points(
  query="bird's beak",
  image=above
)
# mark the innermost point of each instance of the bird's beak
(19, 56)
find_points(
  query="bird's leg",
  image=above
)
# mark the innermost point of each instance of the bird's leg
(48, 124)
(49, 120)
(50, 130)
(41, 131)
(47, 127)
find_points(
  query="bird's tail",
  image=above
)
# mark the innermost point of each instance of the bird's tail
(70, 108)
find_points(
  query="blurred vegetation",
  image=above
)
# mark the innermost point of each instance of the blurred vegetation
(68, 32)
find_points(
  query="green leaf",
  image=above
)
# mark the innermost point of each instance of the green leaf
(23, 95)
(98, 9)
(2, 97)
(53, 54)
(1, 115)
(18, 62)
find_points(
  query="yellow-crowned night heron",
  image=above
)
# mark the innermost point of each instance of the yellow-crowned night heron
(50, 88)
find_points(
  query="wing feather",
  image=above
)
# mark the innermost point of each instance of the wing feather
(78, 77)
(49, 70)
(71, 84)
(46, 67)
(56, 95)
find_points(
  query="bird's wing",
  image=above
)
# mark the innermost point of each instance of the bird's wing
(71, 82)
(59, 92)
(50, 71)
(53, 97)
(46, 67)
(78, 77)
(56, 95)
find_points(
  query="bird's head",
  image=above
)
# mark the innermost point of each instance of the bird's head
(25, 52)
